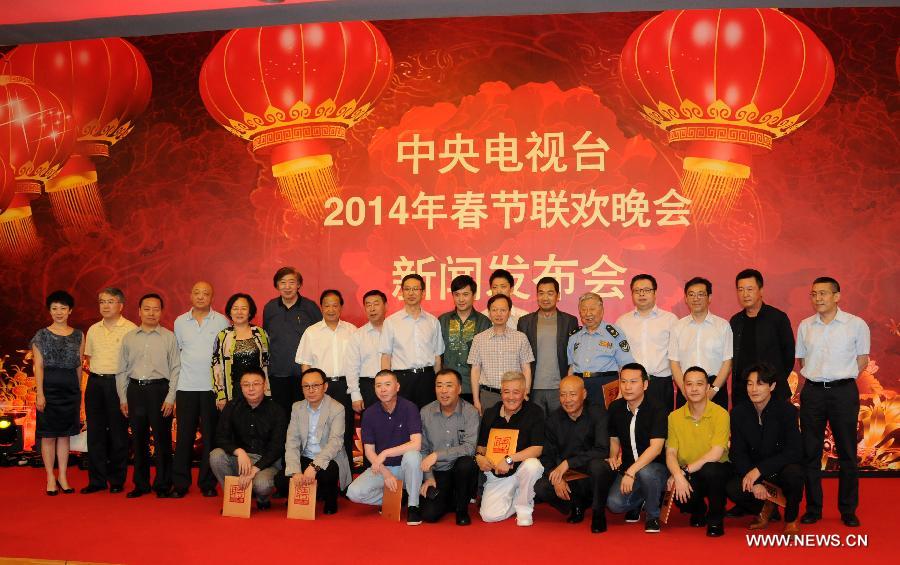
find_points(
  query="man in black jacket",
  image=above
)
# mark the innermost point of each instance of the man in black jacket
(761, 333)
(548, 330)
(766, 446)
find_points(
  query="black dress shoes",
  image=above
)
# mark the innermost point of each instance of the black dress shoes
(210, 492)
(91, 489)
(137, 493)
(850, 520)
(115, 489)
(715, 531)
(735, 512)
(53, 492)
(598, 522)
(810, 518)
(462, 518)
(330, 508)
(698, 520)
(176, 493)
(576, 516)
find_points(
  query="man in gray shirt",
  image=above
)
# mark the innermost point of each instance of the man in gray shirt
(449, 434)
(548, 330)
(149, 365)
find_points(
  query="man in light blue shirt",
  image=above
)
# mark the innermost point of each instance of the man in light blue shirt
(195, 402)
(833, 349)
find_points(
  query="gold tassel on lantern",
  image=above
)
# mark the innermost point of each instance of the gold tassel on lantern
(712, 186)
(306, 183)
(75, 198)
(18, 236)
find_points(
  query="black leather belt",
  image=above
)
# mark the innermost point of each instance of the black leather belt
(104, 375)
(417, 371)
(489, 389)
(336, 378)
(147, 382)
(831, 384)
(596, 374)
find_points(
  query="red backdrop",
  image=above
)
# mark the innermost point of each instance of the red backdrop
(186, 200)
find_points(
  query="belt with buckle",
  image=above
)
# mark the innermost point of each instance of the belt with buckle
(596, 374)
(489, 389)
(336, 378)
(146, 382)
(415, 371)
(831, 384)
(103, 375)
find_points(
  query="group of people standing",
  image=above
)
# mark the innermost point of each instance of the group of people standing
(277, 403)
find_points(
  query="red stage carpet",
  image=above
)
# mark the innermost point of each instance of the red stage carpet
(109, 528)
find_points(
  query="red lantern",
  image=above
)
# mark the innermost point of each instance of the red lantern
(38, 126)
(293, 91)
(725, 84)
(7, 180)
(107, 83)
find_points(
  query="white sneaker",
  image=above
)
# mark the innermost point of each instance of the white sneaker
(524, 521)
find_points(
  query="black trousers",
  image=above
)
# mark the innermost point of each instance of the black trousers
(838, 406)
(663, 390)
(145, 416)
(708, 484)
(456, 486)
(417, 387)
(327, 487)
(367, 390)
(790, 479)
(194, 409)
(286, 391)
(337, 389)
(593, 490)
(107, 433)
(720, 398)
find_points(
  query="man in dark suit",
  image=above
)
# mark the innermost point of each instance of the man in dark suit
(548, 330)
(762, 333)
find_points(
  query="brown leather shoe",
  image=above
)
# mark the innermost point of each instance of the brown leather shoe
(762, 521)
(792, 528)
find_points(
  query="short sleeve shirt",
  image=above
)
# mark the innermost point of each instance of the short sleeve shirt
(386, 430)
(692, 438)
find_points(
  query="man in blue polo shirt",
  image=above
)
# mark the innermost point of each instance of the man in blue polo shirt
(392, 438)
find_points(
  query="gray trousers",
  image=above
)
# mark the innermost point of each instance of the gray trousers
(223, 465)
(487, 398)
(546, 398)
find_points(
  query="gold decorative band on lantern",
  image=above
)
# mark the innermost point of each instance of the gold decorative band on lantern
(306, 183)
(712, 186)
(718, 132)
(18, 235)
(300, 132)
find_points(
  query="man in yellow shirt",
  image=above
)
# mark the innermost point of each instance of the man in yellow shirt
(697, 454)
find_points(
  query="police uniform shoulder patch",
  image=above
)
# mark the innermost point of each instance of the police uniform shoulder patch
(612, 330)
(575, 331)
(624, 345)
(575, 346)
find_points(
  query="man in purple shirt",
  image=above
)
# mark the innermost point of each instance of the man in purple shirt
(392, 439)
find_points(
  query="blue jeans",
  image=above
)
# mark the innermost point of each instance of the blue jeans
(649, 484)
(368, 488)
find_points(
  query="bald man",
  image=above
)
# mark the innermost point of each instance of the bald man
(195, 401)
(576, 439)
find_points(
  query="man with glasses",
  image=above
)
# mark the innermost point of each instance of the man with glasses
(701, 339)
(107, 427)
(411, 344)
(833, 349)
(648, 328)
(250, 439)
(313, 449)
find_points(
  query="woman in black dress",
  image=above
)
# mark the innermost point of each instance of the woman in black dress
(58, 351)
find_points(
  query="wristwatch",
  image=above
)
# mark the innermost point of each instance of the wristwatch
(508, 460)
(715, 388)
(315, 467)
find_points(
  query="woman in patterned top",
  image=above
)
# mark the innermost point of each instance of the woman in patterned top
(238, 348)
(58, 351)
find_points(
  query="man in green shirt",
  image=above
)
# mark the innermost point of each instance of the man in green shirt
(459, 327)
(697, 454)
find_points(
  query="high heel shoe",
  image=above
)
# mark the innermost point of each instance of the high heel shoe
(67, 490)
(53, 492)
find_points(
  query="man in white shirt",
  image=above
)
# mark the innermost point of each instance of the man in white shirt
(363, 358)
(502, 282)
(648, 329)
(324, 346)
(701, 339)
(195, 401)
(411, 344)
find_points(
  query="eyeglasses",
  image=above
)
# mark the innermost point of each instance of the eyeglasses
(313, 387)
(642, 291)
(697, 295)
(252, 384)
(108, 302)
(412, 289)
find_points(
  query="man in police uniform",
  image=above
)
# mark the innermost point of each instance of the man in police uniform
(833, 348)
(597, 351)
